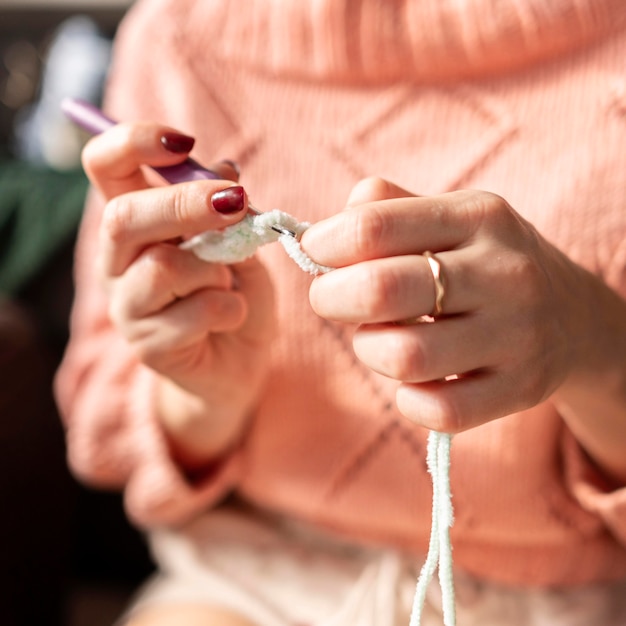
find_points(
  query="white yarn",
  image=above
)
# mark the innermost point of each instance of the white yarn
(239, 242)
(440, 547)
(305, 263)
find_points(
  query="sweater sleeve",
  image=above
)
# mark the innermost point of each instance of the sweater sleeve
(104, 394)
(591, 488)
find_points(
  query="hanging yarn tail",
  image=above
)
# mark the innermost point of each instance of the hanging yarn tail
(439, 548)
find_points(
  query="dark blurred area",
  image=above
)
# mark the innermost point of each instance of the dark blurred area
(68, 557)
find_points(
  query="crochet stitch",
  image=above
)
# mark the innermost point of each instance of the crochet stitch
(240, 241)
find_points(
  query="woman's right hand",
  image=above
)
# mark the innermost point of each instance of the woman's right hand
(204, 328)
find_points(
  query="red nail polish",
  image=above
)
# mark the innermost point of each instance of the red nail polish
(177, 142)
(229, 200)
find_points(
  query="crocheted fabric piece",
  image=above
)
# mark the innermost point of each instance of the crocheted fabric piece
(240, 241)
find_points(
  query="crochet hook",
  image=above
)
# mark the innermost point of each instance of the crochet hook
(94, 121)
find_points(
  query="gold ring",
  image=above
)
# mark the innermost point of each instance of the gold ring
(440, 292)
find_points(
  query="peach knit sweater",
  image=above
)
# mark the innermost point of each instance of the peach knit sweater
(525, 98)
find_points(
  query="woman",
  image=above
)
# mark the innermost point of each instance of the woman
(186, 382)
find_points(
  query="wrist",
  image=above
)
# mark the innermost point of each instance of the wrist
(597, 338)
(592, 398)
(199, 430)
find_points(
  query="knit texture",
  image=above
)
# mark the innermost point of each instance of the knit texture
(433, 40)
(539, 117)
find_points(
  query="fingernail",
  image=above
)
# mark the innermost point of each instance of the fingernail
(232, 164)
(229, 200)
(177, 142)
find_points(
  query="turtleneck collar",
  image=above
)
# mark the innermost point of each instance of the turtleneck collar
(417, 40)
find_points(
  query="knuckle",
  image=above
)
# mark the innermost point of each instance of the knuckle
(447, 418)
(407, 358)
(528, 280)
(118, 142)
(159, 269)
(491, 203)
(378, 291)
(178, 204)
(489, 210)
(115, 220)
(128, 139)
(370, 228)
(369, 189)
(119, 314)
(160, 261)
(374, 187)
(434, 409)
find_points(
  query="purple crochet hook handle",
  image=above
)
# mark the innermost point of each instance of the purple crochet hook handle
(94, 121)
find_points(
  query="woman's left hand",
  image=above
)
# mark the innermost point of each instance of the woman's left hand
(513, 323)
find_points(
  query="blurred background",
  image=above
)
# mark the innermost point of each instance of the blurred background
(67, 555)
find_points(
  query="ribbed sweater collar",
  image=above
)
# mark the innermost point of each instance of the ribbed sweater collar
(380, 40)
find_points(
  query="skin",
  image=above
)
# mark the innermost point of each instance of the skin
(186, 319)
(521, 322)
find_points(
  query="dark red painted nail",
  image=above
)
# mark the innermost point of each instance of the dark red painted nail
(177, 142)
(229, 200)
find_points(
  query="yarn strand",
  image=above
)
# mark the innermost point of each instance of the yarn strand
(440, 548)
(432, 558)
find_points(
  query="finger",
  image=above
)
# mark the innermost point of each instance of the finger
(384, 290)
(428, 351)
(252, 279)
(398, 288)
(186, 324)
(397, 227)
(138, 219)
(373, 189)
(113, 160)
(462, 403)
(161, 275)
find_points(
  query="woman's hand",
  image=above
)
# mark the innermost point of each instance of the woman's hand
(517, 322)
(203, 327)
